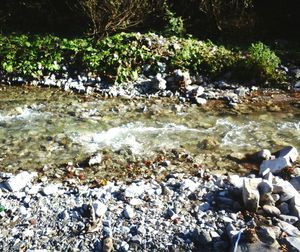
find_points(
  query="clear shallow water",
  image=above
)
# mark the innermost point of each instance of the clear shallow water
(46, 127)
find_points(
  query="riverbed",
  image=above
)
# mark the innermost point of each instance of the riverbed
(47, 130)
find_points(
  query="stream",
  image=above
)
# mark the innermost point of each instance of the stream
(42, 128)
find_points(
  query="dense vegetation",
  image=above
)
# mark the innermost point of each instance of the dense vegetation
(101, 37)
(124, 56)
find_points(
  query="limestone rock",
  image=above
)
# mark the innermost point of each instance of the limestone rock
(275, 165)
(134, 190)
(159, 83)
(265, 187)
(290, 153)
(19, 181)
(100, 208)
(236, 180)
(293, 243)
(264, 154)
(288, 228)
(295, 206)
(95, 159)
(107, 244)
(250, 195)
(50, 189)
(266, 235)
(284, 188)
(200, 100)
(128, 212)
(296, 182)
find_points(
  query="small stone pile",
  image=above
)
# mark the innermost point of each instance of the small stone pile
(204, 212)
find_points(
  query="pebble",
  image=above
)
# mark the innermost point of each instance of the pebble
(182, 212)
(100, 208)
(129, 212)
(50, 189)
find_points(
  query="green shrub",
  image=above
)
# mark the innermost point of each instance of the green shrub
(263, 63)
(174, 25)
(124, 56)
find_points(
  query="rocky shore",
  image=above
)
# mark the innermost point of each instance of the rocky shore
(205, 212)
(180, 84)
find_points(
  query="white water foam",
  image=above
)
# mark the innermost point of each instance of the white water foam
(136, 136)
(292, 129)
(233, 134)
(24, 114)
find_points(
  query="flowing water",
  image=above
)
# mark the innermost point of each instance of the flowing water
(45, 127)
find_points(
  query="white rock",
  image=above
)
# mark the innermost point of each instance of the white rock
(128, 212)
(296, 182)
(96, 159)
(275, 165)
(198, 91)
(100, 208)
(250, 194)
(293, 243)
(201, 101)
(50, 189)
(236, 180)
(288, 228)
(20, 195)
(28, 233)
(134, 190)
(34, 189)
(284, 188)
(295, 206)
(189, 184)
(23, 211)
(264, 154)
(124, 246)
(136, 202)
(19, 181)
(159, 83)
(290, 153)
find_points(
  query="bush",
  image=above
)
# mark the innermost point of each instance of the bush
(263, 62)
(124, 56)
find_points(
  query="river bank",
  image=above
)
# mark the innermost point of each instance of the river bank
(166, 202)
(205, 212)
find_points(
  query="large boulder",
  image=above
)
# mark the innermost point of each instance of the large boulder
(274, 165)
(284, 188)
(285, 158)
(290, 153)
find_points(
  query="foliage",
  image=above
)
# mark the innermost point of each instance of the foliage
(205, 56)
(263, 62)
(124, 56)
(174, 25)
